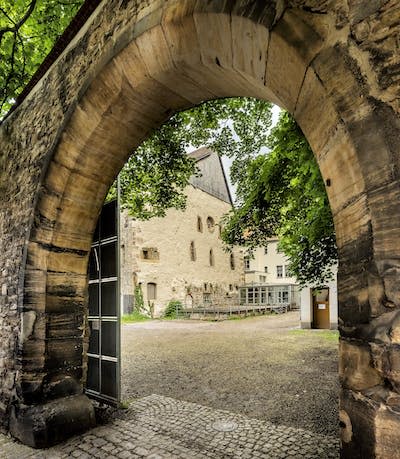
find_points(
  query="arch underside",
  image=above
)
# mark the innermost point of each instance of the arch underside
(177, 56)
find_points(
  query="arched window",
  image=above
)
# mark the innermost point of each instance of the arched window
(192, 251)
(210, 224)
(199, 225)
(211, 257)
(232, 260)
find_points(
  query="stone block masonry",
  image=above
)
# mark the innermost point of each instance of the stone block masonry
(156, 427)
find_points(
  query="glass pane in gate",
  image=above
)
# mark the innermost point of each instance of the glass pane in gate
(103, 379)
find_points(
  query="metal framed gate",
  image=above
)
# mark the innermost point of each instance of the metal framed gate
(103, 378)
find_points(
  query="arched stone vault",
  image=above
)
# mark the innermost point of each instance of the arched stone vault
(333, 64)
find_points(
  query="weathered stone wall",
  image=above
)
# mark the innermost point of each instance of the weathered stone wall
(335, 64)
(174, 273)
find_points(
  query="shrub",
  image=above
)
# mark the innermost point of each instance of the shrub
(174, 307)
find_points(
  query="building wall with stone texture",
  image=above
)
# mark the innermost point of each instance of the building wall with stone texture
(170, 265)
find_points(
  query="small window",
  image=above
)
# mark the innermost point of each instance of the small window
(192, 251)
(230, 287)
(210, 224)
(151, 291)
(263, 279)
(279, 271)
(265, 250)
(287, 271)
(211, 257)
(150, 253)
(265, 269)
(205, 286)
(246, 263)
(232, 260)
(199, 225)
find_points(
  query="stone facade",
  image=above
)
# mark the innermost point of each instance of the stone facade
(334, 64)
(170, 257)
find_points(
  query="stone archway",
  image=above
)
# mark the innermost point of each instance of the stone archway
(131, 66)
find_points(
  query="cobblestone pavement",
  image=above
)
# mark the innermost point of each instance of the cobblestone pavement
(157, 427)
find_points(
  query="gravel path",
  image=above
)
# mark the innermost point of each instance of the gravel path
(261, 367)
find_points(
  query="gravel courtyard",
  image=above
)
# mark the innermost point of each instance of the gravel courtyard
(260, 367)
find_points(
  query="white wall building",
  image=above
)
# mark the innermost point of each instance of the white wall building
(268, 267)
(181, 256)
(319, 307)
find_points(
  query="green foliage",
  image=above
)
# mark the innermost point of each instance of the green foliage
(174, 307)
(28, 31)
(134, 317)
(157, 173)
(285, 197)
(138, 305)
(328, 335)
(280, 194)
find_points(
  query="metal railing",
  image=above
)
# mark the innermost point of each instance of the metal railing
(220, 312)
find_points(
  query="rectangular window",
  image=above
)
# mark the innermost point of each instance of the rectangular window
(265, 250)
(279, 271)
(250, 295)
(263, 279)
(247, 263)
(151, 291)
(263, 295)
(265, 269)
(150, 253)
(287, 271)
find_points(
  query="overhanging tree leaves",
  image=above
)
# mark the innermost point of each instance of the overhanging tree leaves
(28, 31)
(279, 194)
(157, 173)
(286, 197)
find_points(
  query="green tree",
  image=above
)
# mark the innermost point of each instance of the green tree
(286, 197)
(278, 194)
(28, 31)
(157, 173)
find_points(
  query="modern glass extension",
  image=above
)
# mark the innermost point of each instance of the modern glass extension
(270, 295)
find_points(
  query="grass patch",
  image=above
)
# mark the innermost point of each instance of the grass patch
(134, 317)
(329, 335)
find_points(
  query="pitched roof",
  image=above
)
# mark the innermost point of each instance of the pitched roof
(199, 154)
(212, 177)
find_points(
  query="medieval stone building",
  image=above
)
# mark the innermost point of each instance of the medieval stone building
(181, 256)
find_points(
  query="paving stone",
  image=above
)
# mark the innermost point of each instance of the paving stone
(157, 427)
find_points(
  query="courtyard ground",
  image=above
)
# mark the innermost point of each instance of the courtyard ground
(261, 367)
(240, 374)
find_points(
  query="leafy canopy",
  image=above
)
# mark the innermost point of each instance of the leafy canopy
(28, 31)
(286, 197)
(157, 173)
(281, 193)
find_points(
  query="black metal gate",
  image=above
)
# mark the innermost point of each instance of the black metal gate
(103, 379)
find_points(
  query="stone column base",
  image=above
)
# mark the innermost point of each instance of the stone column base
(45, 425)
(370, 423)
